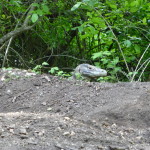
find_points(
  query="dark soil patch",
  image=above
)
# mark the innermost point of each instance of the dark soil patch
(44, 112)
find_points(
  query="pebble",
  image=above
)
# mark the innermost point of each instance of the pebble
(23, 131)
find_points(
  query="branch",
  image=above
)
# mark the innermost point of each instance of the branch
(26, 21)
(23, 28)
(6, 52)
(14, 33)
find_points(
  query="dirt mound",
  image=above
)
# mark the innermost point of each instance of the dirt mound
(42, 112)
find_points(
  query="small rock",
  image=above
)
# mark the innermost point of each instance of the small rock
(114, 125)
(66, 118)
(11, 131)
(37, 83)
(118, 147)
(4, 134)
(47, 78)
(139, 137)
(66, 133)
(106, 124)
(44, 103)
(28, 74)
(9, 92)
(1, 131)
(22, 136)
(72, 133)
(12, 126)
(41, 133)
(49, 109)
(58, 129)
(23, 131)
(32, 141)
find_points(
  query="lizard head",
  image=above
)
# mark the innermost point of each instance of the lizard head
(91, 71)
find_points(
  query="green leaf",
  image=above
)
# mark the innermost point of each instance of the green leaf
(91, 2)
(113, 6)
(110, 65)
(45, 64)
(104, 60)
(76, 6)
(144, 21)
(60, 73)
(80, 28)
(3, 16)
(97, 55)
(89, 14)
(116, 69)
(34, 18)
(107, 53)
(53, 70)
(137, 49)
(15, 3)
(131, 73)
(35, 4)
(45, 8)
(127, 43)
(39, 12)
(115, 60)
(133, 3)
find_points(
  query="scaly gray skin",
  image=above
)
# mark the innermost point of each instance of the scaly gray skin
(89, 71)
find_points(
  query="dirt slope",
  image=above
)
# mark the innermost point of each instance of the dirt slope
(43, 112)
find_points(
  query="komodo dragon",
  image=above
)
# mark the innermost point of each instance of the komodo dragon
(88, 71)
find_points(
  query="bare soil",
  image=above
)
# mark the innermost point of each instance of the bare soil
(43, 112)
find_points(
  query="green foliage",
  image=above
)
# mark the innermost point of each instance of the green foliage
(8, 76)
(112, 34)
(78, 76)
(41, 10)
(76, 6)
(107, 59)
(39, 68)
(56, 71)
(113, 24)
(34, 18)
(9, 68)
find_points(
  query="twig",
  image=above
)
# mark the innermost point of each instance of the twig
(143, 70)
(14, 99)
(125, 74)
(20, 57)
(63, 56)
(138, 28)
(30, 9)
(143, 64)
(116, 39)
(6, 52)
(50, 55)
(139, 63)
(2, 46)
